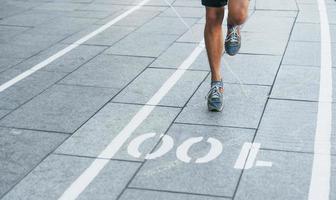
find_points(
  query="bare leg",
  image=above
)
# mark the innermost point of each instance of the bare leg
(214, 40)
(238, 11)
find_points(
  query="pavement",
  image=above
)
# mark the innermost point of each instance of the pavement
(105, 99)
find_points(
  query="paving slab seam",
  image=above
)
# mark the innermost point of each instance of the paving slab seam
(287, 151)
(37, 130)
(92, 157)
(10, 25)
(176, 192)
(136, 56)
(286, 99)
(211, 125)
(267, 100)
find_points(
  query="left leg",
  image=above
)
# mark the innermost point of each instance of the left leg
(238, 12)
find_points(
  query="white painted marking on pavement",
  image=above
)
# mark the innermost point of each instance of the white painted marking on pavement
(320, 180)
(248, 154)
(79, 185)
(261, 163)
(69, 48)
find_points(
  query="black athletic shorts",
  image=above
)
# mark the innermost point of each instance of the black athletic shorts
(214, 3)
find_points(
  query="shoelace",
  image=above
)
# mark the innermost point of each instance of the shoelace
(214, 92)
(233, 36)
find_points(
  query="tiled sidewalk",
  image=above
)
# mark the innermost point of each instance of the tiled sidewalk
(56, 122)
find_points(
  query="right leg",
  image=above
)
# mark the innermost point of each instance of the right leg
(213, 36)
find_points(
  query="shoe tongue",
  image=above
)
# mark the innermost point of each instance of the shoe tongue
(217, 83)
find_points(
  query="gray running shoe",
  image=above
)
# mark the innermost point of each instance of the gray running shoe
(215, 97)
(233, 40)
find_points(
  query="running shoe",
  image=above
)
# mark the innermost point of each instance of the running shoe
(233, 40)
(215, 97)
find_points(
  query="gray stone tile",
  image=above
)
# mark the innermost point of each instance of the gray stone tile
(290, 172)
(22, 150)
(52, 177)
(305, 53)
(273, 25)
(99, 131)
(176, 54)
(20, 51)
(27, 19)
(166, 25)
(150, 81)
(217, 177)
(195, 34)
(134, 194)
(4, 112)
(297, 82)
(196, 12)
(310, 32)
(276, 5)
(265, 43)
(107, 38)
(8, 32)
(142, 44)
(60, 108)
(66, 63)
(26, 89)
(243, 106)
(250, 69)
(6, 63)
(288, 125)
(108, 71)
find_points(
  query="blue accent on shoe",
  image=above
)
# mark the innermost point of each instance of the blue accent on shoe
(233, 40)
(215, 97)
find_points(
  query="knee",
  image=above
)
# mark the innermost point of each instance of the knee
(214, 19)
(238, 16)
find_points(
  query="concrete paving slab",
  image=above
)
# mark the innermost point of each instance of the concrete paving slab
(195, 34)
(136, 194)
(28, 88)
(67, 63)
(288, 125)
(305, 53)
(108, 71)
(191, 12)
(21, 151)
(106, 38)
(273, 25)
(250, 69)
(20, 51)
(309, 32)
(150, 81)
(333, 178)
(166, 25)
(266, 43)
(27, 19)
(276, 5)
(134, 44)
(6, 63)
(137, 18)
(217, 177)
(99, 131)
(297, 82)
(56, 173)
(290, 170)
(8, 32)
(4, 112)
(243, 106)
(61, 108)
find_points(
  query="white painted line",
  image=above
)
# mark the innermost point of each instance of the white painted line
(67, 49)
(247, 156)
(240, 162)
(261, 163)
(79, 185)
(320, 179)
(252, 155)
